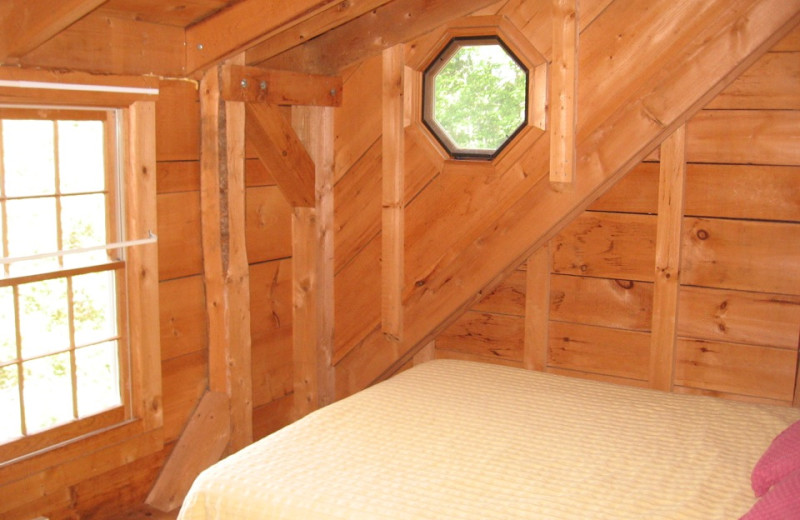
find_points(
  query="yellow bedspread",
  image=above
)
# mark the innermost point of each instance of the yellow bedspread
(462, 440)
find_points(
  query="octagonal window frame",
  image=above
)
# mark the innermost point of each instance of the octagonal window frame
(454, 44)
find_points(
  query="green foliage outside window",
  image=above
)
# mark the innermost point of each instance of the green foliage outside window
(479, 97)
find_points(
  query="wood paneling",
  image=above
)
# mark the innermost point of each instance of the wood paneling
(358, 120)
(180, 250)
(183, 316)
(738, 369)
(744, 137)
(178, 176)
(357, 295)
(599, 350)
(608, 245)
(769, 84)
(745, 255)
(743, 191)
(271, 330)
(185, 381)
(26, 24)
(484, 334)
(622, 304)
(113, 45)
(740, 317)
(507, 298)
(357, 217)
(178, 121)
(268, 221)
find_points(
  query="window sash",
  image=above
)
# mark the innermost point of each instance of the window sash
(78, 426)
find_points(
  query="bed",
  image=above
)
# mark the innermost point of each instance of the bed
(455, 439)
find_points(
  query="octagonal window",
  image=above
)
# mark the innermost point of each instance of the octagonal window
(475, 97)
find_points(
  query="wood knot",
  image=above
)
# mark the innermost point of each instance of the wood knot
(625, 284)
(702, 234)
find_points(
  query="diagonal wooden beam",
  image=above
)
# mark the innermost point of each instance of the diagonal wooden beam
(26, 24)
(305, 31)
(371, 33)
(249, 22)
(281, 152)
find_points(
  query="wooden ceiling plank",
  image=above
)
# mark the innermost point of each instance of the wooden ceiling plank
(242, 25)
(300, 33)
(278, 87)
(282, 153)
(371, 33)
(26, 24)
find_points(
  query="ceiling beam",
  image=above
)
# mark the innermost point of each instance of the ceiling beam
(280, 87)
(249, 22)
(371, 33)
(302, 32)
(26, 24)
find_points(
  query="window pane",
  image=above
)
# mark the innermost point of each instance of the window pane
(8, 336)
(94, 307)
(28, 157)
(83, 224)
(98, 378)
(32, 230)
(43, 317)
(11, 425)
(47, 391)
(81, 156)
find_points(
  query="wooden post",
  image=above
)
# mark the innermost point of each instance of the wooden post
(140, 198)
(668, 256)
(392, 216)
(224, 254)
(537, 309)
(564, 87)
(312, 278)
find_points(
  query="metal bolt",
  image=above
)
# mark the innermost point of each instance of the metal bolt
(333, 92)
(200, 47)
(263, 85)
(244, 83)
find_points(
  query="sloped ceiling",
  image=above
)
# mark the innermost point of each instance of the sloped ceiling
(183, 37)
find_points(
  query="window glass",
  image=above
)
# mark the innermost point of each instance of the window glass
(475, 97)
(60, 321)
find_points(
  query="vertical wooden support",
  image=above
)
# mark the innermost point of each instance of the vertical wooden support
(139, 121)
(393, 168)
(537, 309)
(312, 263)
(224, 254)
(563, 93)
(668, 255)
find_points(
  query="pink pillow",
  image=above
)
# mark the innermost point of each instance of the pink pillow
(781, 458)
(781, 503)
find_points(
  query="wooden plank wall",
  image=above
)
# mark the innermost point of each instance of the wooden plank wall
(738, 317)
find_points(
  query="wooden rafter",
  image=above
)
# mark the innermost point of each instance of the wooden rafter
(304, 31)
(371, 33)
(244, 24)
(26, 24)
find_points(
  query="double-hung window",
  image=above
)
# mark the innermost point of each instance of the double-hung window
(63, 346)
(79, 350)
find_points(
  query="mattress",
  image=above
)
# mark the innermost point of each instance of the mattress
(463, 440)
